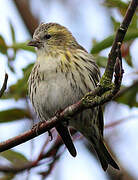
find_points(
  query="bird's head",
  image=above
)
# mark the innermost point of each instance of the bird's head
(52, 35)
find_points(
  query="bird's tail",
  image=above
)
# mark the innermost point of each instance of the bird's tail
(66, 137)
(103, 155)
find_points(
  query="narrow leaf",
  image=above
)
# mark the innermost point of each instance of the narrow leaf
(19, 89)
(129, 97)
(13, 114)
(12, 33)
(101, 61)
(7, 176)
(3, 46)
(14, 157)
(22, 46)
(107, 42)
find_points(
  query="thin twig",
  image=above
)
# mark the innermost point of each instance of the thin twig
(4, 86)
(51, 153)
(119, 39)
(30, 21)
(120, 121)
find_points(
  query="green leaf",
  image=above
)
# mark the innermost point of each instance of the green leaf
(129, 97)
(27, 70)
(107, 42)
(13, 114)
(14, 157)
(115, 3)
(101, 61)
(120, 5)
(102, 45)
(23, 46)
(19, 89)
(10, 66)
(132, 26)
(128, 59)
(14, 50)
(116, 24)
(3, 46)
(125, 50)
(7, 176)
(12, 33)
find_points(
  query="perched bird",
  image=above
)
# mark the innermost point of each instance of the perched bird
(63, 73)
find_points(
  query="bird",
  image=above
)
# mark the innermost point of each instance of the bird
(62, 74)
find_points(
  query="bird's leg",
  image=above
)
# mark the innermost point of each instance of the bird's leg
(50, 134)
(57, 113)
(66, 122)
(36, 126)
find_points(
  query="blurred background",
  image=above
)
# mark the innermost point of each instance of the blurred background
(93, 23)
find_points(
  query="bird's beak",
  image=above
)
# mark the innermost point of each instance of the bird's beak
(34, 43)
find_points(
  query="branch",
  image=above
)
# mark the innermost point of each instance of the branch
(89, 101)
(43, 127)
(117, 122)
(51, 153)
(4, 86)
(118, 38)
(103, 93)
(24, 10)
(16, 169)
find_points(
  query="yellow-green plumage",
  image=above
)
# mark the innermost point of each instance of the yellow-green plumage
(63, 73)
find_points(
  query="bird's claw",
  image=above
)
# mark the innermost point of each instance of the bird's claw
(36, 126)
(57, 114)
(50, 134)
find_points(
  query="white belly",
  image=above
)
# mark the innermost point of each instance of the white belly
(56, 90)
(54, 95)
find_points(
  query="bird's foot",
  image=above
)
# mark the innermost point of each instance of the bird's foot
(66, 122)
(57, 114)
(36, 126)
(50, 134)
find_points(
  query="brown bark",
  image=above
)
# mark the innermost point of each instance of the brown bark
(28, 18)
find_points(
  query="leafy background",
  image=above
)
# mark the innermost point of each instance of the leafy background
(94, 24)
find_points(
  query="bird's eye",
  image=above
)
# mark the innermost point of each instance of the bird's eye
(47, 36)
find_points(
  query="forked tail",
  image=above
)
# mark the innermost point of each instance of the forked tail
(103, 155)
